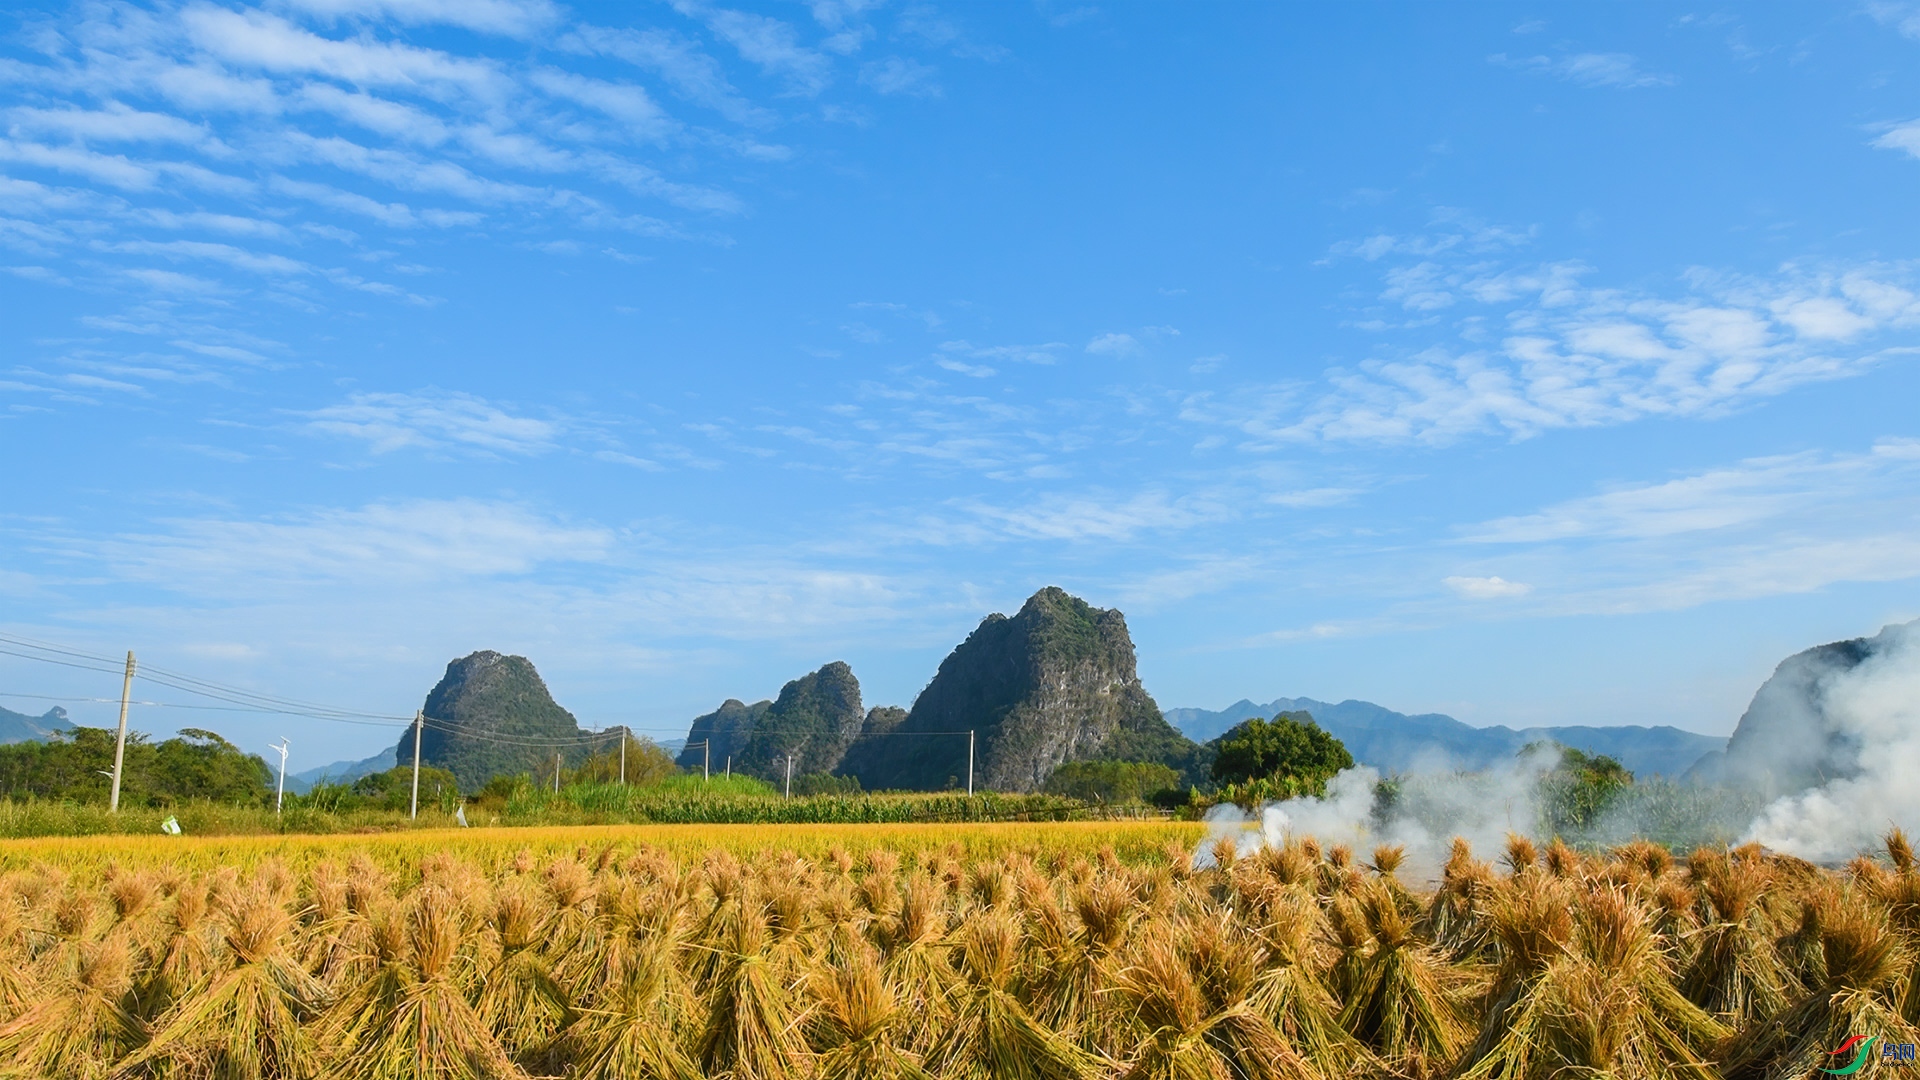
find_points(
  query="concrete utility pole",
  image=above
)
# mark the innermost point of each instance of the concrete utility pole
(280, 796)
(623, 757)
(419, 721)
(556, 772)
(789, 776)
(729, 766)
(969, 763)
(706, 759)
(120, 741)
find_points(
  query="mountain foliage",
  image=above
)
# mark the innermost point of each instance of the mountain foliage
(815, 718)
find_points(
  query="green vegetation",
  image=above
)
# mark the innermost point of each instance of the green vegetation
(195, 765)
(1112, 781)
(391, 791)
(1289, 752)
(1580, 790)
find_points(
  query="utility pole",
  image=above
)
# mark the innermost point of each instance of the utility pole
(969, 763)
(729, 766)
(789, 776)
(556, 772)
(623, 756)
(419, 721)
(120, 741)
(706, 759)
(280, 796)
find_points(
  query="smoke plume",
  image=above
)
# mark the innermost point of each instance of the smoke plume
(1869, 713)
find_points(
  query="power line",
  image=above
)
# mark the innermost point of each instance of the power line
(249, 701)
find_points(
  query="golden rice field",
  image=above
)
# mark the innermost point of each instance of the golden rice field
(1040, 952)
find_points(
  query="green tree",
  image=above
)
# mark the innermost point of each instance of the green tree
(393, 789)
(1111, 781)
(201, 765)
(646, 764)
(1580, 789)
(77, 765)
(1288, 747)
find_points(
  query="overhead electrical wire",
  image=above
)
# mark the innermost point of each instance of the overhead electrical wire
(242, 700)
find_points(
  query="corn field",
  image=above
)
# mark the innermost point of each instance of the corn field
(1032, 960)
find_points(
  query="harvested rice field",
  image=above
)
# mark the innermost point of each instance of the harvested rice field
(1062, 951)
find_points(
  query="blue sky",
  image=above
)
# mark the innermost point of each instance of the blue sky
(1531, 363)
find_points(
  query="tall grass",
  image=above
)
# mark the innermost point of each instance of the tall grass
(905, 952)
(675, 800)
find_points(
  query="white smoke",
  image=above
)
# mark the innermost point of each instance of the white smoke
(1432, 807)
(1876, 706)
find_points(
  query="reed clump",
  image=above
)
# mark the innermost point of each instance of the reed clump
(854, 960)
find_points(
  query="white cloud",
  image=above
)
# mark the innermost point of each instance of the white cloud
(265, 41)
(512, 18)
(414, 541)
(1745, 494)
(1114, 345)
(1619, 70)
(1486, 588)
(239, 258)
(113, 123)
(1903, 137)
(434, 421)
(978, 371)
(899, 75)
(1762, 527)
(1022, 354)
(624, 102)
(1574, 356)
(693, 75)
(767, 42)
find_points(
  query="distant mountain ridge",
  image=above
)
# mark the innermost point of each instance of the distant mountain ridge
(19, 727)
(345, 772)
(1396, 742)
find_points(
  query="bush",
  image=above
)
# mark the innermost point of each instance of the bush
(1112, 781)
(826, 784)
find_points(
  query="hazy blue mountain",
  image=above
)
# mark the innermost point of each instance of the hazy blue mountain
(19, 727)
(1392, 741)
(344, 772)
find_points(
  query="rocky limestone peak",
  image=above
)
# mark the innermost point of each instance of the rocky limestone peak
(815, 718)
(1054, 683)
(487, 717)
(721, 734)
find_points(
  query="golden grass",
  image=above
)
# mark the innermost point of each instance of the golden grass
(494, 849)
